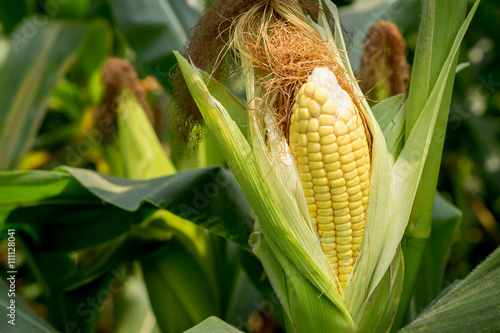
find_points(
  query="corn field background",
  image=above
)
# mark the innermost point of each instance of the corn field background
(120, 224)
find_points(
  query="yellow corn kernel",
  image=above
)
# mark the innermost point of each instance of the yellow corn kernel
(329, 142)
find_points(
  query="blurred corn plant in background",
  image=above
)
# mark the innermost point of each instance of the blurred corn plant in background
(128, 230)
(113, 125)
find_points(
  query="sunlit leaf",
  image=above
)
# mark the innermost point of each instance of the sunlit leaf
(213, 324)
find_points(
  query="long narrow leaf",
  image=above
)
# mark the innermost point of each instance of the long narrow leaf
(154, 28)
(439, 28)
(471, 306)
(206, 197)
(386, 110)
(24, 319)
(297, 238)
(446, 219)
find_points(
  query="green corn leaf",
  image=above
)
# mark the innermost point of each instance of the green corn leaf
(176, 283)
(68, 271)
(386, 111)
(255, 272)
(163, 22)
(80, 309)
(471, 306)
(25, 319)
(240, 299)
(216, 260)
(446, 219)
(97, 229)
(132, 308)
(213, 324)
(30, 71)
(205, 197)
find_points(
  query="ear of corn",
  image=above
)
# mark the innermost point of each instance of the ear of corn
(329, 142)
(126, 154)
(286, 238)
(294, 261)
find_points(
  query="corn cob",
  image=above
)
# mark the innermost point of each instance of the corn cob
(329, 142)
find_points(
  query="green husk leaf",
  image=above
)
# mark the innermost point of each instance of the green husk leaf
(294, 290)
(440, 28)
(213, 324)
(390, 115)
(232, 104)
(381, 307)
(395, 134)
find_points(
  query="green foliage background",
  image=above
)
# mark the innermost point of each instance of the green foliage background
(53, 88)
